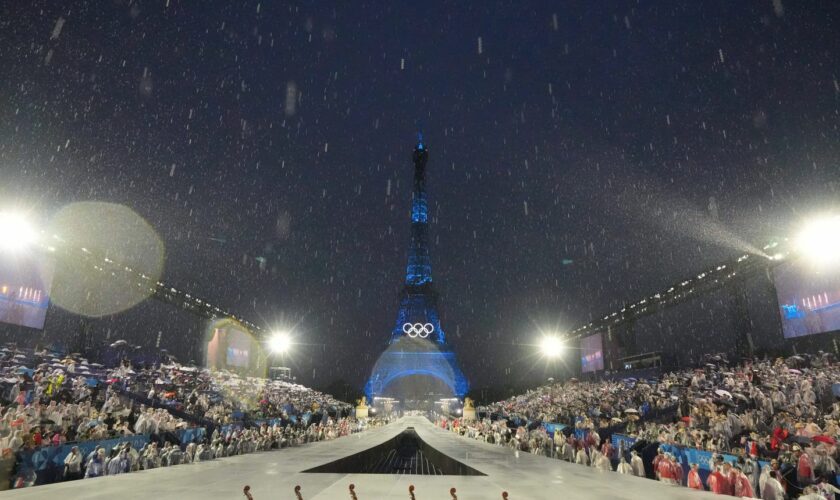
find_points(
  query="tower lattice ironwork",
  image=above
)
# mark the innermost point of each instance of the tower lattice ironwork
(418, 343)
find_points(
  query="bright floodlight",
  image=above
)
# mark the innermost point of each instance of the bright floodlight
(551, 346)
(279, 342)
(819, 241)
(16, 233)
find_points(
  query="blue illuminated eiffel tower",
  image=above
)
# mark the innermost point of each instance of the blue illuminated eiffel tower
(418, 344)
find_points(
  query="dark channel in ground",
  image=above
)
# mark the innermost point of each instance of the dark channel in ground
(405, 453)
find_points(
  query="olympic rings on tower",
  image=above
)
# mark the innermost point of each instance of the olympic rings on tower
(421, 330)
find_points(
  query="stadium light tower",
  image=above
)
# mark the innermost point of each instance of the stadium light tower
(819, 241)
(279, 342)
(551, 346)
(16, 232)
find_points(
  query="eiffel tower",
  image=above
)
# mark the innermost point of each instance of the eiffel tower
(417, 349)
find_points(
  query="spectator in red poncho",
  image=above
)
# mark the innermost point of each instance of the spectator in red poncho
(779, 437)
(37, 439)
(742, 485)
(607, 450)
(676, 470)
(694, 481)
(665, 471)
(718, 482)
(804, 469)
(731, 475)
(660, 455)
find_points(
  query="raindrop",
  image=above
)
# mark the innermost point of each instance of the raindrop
(59, 23)
(291, 98)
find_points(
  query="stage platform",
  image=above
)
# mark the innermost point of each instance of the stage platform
(274, 474)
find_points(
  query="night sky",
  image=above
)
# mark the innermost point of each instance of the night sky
(575, 148)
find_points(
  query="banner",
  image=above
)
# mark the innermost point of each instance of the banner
(685, 456)
(48, 461)
(193, 435)
(552, 427)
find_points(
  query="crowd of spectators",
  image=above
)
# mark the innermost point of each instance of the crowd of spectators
(48, 400)
(783, 412)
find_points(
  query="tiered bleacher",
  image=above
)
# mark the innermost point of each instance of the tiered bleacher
(763, 429)
(65, 418)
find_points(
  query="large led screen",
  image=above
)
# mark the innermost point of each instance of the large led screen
(809, 298)
(591, 354)
(25, 282)
(230, 346)
(238, 349)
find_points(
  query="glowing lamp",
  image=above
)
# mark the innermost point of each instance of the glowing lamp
(279, 342)
(819, 241)
(551, 346)
(16, 233)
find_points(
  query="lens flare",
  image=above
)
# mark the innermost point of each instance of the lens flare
(111, 258)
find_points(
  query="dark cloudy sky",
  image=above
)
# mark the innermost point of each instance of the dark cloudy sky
(268, 143)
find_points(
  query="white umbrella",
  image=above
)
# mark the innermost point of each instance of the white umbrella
(721, 392)
(631, 410)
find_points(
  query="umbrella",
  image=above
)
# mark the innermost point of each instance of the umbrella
(740, 396)
(721, 392)
(794, 371)
(631, 410)
(824, 439)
